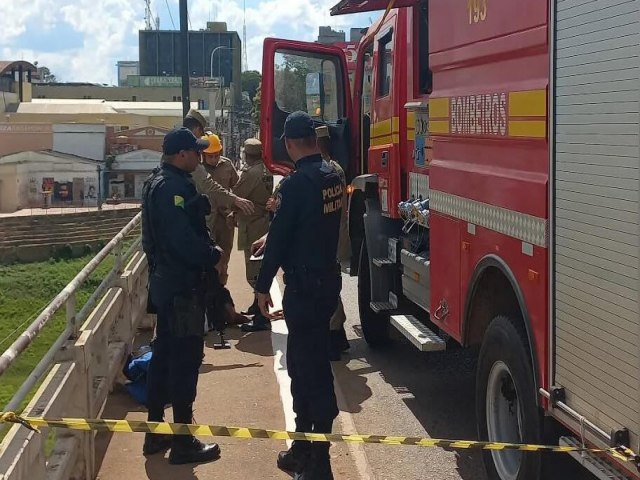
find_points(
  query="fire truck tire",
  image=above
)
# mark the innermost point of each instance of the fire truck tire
(375, 326)
(506, 409)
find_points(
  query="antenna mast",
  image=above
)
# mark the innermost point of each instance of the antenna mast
(245, 63)
(148, 17)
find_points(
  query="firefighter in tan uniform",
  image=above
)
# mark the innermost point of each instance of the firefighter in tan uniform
(218, 195)
(338, 342)
(224, 173)
(255, 184)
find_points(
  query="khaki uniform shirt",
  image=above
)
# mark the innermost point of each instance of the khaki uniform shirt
(344, 244)
(224, 174)
(207, 186)
(255, 184)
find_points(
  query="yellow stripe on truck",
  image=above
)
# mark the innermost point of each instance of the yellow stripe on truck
(532, 103)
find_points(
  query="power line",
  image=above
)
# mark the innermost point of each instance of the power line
(170, 16)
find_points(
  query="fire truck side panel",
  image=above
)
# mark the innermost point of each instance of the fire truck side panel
(387, 151)
(484, 251)
(460, 23)
(488, 123)
(445, 295)
(595, 261)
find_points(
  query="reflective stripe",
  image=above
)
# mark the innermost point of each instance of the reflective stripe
(518, 225)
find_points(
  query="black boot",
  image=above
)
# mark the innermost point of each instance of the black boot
(186, 448)
(253, 309)
(294, 459)
(155, 443)
(259, 323)
(318, 465)
(335, 343)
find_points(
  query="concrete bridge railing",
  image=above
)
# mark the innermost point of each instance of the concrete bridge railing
(80, 367)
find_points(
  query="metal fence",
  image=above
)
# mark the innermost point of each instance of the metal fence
(80, 366)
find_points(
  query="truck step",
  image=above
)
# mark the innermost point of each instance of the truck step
(418, 333)
(591, 462)
(380, 307)
(383, 262)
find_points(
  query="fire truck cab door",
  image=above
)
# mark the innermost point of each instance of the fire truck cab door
(358, 6)
(310, 77)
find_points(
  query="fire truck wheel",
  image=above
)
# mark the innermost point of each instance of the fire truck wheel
(506, 409)
(375, 326)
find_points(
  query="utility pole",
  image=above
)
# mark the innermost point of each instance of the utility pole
(184, 54)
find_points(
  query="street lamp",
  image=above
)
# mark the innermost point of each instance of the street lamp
(220, 87)
(212, 54)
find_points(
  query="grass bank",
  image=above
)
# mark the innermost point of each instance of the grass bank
(25, 289)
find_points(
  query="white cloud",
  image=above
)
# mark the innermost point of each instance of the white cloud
(108, 29)
(105, 26)
(15, 15)
(298, 20)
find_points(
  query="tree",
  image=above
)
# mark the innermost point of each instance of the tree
(249, 81)
(45, 74)
(291, 81)
(255, 114)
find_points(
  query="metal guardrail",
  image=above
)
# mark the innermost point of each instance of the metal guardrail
(67, 297)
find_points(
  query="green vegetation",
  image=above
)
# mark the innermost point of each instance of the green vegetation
(25, 289)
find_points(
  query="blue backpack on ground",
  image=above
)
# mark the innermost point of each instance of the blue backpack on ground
(135, 369)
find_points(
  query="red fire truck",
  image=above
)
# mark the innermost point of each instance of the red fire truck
(492, 148)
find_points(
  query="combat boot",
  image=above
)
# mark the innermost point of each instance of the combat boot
(253, 309)
(318, 465)
(294, 459)
(188, 449)
(259, 323)
(155, 443)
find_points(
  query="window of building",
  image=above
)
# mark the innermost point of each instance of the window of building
(134, 98)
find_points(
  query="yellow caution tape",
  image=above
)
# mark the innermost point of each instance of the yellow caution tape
(131, 426)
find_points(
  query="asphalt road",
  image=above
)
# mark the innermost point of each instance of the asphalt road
(399, 390)
(394, 391)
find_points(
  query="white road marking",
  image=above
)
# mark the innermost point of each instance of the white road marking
(279, 344)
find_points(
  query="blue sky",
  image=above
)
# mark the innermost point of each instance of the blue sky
(81, 40)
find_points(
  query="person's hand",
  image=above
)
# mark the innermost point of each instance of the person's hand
(264, 302)
(257, 247)
(271, 204)
(231, 220)
(244, 205)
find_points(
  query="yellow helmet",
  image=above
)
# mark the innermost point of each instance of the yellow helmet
(214, 143)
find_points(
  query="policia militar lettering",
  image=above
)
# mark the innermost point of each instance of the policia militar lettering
(306, 204)
(180, 255)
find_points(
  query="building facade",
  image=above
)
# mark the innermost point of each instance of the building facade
(37, 179)
(125, 69)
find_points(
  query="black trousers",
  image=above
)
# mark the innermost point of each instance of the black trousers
(174, 367)
(307, 311)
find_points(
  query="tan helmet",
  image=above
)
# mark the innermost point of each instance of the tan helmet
(322, 131)
(193, 113)
(253, 147)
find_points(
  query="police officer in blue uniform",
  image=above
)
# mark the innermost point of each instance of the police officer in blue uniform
(177, 245)
(303, 239)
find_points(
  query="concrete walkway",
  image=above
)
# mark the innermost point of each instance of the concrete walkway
(244, 386)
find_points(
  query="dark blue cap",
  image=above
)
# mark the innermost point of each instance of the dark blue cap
(298, 125)
(182, 139)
